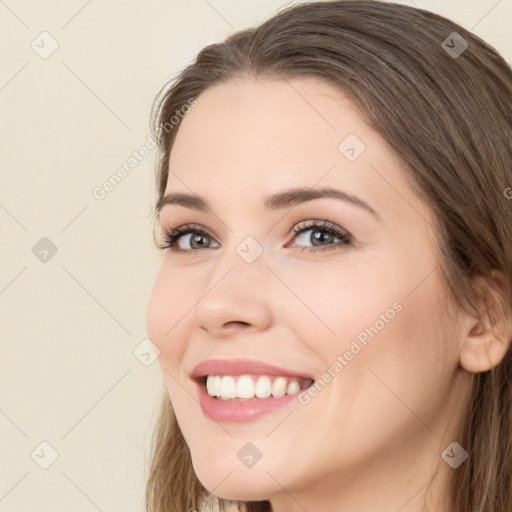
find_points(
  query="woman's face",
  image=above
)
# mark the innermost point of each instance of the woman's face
(353, 303)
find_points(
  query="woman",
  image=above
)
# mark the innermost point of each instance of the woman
(333, 308)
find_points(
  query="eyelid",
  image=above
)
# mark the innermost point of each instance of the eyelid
(172, 236)
(176, 233)
(322, 225)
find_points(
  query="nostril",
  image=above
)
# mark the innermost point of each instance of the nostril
(235, 323)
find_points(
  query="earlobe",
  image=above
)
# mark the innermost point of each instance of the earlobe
(486, 339)
(483, 351)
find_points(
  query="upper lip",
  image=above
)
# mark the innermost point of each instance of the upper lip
(243, 367)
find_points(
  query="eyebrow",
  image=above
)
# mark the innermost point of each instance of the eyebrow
(286, 199)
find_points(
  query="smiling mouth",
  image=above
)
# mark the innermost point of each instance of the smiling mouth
(249, 387)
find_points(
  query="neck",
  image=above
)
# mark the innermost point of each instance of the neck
(410, 484)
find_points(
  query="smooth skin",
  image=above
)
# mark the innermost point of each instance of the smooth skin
(373, 437)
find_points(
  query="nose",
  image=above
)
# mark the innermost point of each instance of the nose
(238, 300)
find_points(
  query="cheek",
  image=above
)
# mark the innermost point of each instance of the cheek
(335, 303)
(406, 364)
(157, 318)
(164, 311)
(378, 323)
(166, 307)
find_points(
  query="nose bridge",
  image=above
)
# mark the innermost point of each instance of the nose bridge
(244, 253)
(237, 289)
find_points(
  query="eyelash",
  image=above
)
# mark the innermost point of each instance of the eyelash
(171, 238)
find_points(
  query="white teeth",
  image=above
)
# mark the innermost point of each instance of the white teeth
(228, 387)
(210, 386)
(293, 387)
(217, 383)
(213, 385)
(245, 387)
(279, 387)
(263, 387)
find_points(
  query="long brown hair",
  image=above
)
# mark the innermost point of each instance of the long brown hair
(443, 101)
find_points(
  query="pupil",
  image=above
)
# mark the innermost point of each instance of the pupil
(197, 239)
(321, 235)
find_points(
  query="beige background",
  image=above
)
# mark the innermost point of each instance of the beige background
(69, 325)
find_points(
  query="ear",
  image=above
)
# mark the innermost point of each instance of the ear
(486, 338)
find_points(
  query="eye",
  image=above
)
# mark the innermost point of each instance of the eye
(317, 237)
(197, 236)
(322, 235)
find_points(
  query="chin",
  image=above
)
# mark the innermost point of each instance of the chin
(240, 485)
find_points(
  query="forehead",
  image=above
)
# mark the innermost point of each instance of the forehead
(255, 136)
(261, 122)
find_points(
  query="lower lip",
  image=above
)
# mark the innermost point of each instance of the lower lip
(240, 411)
